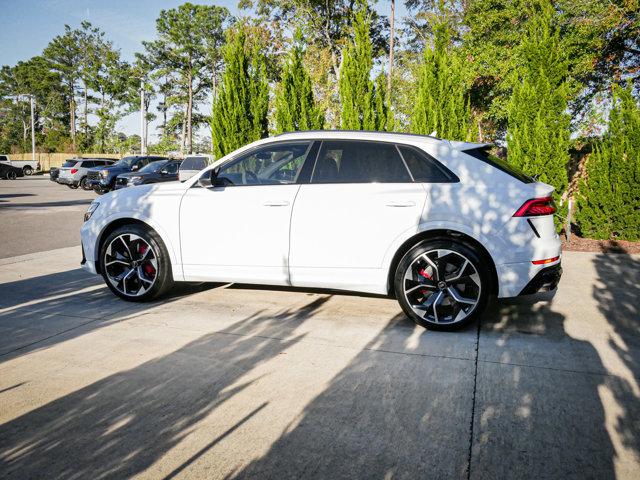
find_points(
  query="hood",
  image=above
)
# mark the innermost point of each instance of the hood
(136, 174)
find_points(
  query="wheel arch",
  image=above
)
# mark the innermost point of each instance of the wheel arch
(447, 234)
(110, 226)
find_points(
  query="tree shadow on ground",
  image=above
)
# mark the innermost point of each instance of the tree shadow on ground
(617, 292)
(538, 410)
(119, 426)
(390, 413)
(38, 312)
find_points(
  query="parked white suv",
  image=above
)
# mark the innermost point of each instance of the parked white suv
(441, 225)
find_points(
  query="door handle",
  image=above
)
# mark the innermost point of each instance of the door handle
(276, 203)
(401, 204)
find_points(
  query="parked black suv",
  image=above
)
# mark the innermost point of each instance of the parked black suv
(103, 179)
(154, 172)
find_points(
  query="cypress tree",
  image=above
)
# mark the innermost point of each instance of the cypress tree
(295, 106)
(240, 110)
(608, 199)
(538, 123)
(359, 96)
(442, 102)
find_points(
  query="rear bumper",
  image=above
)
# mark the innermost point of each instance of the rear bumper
(67, 181)
(545, 280)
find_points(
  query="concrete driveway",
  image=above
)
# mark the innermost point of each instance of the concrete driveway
(241, 382)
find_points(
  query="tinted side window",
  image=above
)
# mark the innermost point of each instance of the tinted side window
(194, 163)
(484, 155)
(70, 163)
(423, 167)
(274, 164)
(347, 161)
(143, 162)
(88, 164)
(171, 167)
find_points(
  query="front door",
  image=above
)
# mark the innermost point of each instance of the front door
(238, 230)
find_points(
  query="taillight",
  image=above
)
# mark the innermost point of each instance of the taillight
(536, 207)
(74, 170)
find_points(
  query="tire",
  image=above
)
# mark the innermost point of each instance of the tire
(11, 175)
(72, 186)
(450, 303)
(27, 170)
(84, 185)
(135, 264)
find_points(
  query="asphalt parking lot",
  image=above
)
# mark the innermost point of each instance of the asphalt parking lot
(227, 381)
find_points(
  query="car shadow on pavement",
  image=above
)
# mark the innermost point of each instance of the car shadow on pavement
(38, 205)
(119, 426)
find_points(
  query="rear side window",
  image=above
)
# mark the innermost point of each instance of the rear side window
(484, 155)
(359, 162)
(194, 163)
(88, 164)
(70, 163)
(424, 168)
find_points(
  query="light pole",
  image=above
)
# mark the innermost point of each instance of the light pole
(143, 121)
(33, 129)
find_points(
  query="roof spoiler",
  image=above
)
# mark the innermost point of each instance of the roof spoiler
(462, 146)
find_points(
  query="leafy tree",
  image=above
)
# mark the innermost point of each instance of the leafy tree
(601, 41)
(608, 199)
(240, 111)
(295, 106)
(64, 53)
(188, 37)
(538, 126)
(442, 103)
(358, 95)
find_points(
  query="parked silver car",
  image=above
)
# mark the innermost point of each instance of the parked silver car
(73, 173)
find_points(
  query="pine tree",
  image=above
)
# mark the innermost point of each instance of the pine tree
(358, 95)
(442, 102)
(240, 110)
(538, 123)
(295, 106)
(608, 200)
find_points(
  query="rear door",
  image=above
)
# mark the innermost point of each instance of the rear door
(360, 199)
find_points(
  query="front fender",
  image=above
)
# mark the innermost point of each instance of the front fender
(97, 229)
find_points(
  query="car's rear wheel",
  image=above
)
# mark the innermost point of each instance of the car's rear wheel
(135, 263)
(442, 284)
(84, 184)
(28, 170)
(11, 175)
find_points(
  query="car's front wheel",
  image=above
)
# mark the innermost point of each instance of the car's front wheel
(135, 263)
(442, 284)
(11, 175)
(84, 184)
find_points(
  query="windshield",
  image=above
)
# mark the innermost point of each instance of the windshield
(153, 167)
(70, 163)
(125, 162)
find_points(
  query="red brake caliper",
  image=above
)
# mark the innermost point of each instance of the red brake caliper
(147, 267)
(425, 275)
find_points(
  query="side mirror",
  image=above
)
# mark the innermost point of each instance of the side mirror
(135, 168)
(208, 179)
(163, 172)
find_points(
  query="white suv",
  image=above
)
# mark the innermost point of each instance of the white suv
(441, 225)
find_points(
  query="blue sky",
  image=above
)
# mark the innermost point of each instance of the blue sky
(26, 26)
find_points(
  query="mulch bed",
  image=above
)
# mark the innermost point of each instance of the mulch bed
(579, 244)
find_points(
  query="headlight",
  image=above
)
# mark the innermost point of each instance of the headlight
(92, 208)
(135, 180)
(104, 173)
